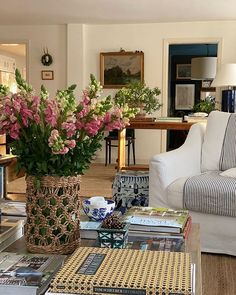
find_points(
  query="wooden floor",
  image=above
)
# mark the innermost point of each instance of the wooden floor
(218, 271)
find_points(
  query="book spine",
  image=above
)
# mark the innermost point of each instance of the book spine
(129, 291)
(187, 228)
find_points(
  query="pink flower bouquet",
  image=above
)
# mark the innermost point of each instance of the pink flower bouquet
(59, 135)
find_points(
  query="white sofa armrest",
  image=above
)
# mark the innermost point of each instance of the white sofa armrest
(166, 167)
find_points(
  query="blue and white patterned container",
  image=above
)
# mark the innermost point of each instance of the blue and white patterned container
(97, 208)
(130, 188)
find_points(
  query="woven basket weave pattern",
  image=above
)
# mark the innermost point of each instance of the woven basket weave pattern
(52, 214)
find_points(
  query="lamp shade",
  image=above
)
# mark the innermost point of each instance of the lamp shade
(203, 68)
(225, 76)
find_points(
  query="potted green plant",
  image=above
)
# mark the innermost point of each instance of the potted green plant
(113, 233)
(205, 105)
(139, 95)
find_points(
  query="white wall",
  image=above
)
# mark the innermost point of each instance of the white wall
(75, 50)
(150, 39)
(38, 37)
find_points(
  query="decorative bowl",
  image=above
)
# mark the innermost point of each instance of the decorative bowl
(98, 208)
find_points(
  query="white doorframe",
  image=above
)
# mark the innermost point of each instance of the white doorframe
(165, 73)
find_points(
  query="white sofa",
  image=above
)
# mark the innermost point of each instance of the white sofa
(169, 171)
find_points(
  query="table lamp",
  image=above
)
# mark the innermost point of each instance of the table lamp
(226, 77)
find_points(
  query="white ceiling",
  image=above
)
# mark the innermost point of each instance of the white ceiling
(37, 12)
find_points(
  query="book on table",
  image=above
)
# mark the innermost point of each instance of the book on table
(157, 244)
(156, 219)
(10, 231)
(124, 271)
(88, 227)
(161, 234)
(13, 210)
(27, 274)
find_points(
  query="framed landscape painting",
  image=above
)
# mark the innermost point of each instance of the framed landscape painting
(183, 71)
(118, 69)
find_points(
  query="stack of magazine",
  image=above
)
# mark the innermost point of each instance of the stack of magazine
(158, 222)
(27, 274)
(13, 210)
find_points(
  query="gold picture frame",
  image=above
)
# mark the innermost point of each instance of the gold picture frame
(183, 71)
(117, 69)
(47, 75)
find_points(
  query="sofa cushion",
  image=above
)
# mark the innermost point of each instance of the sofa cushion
(229, 173)
(213, 141)
(210, 193)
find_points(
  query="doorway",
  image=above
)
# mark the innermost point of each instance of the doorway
(12, 56)
(193, 46)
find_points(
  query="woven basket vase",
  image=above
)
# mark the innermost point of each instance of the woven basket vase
(52, 214)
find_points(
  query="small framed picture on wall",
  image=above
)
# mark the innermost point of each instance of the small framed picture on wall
(183, 71)
(47, 75)
(184, 96)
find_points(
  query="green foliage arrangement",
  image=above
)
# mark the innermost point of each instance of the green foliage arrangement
(205, 105)
(138, 95)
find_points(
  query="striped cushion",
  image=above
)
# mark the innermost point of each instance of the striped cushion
(211, 193)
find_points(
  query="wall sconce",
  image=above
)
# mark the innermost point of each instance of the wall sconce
(46, 59)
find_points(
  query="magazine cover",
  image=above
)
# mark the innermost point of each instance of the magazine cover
(157, 217)
(27, 273)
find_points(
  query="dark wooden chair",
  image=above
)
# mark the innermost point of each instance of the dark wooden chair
(113, 136)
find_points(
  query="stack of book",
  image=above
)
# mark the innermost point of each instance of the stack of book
(27, 274)
(88, 227)
(158, 222)
(10, 231)
(13, 210)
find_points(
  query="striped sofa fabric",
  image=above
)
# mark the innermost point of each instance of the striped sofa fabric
(211, 192)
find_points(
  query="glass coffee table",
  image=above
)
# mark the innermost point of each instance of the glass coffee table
(192, 246)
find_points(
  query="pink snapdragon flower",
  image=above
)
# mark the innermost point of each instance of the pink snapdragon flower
(86, 98)
(62, 151)
(92, 127)
(70, 143)
(37, 118)
(57, 145)
(26, 114)
(70, 128)
(118, 124)
(51, 112)
(35, 103)
(17, 102)
(15, 130)
(83, 113)
(107, 118)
